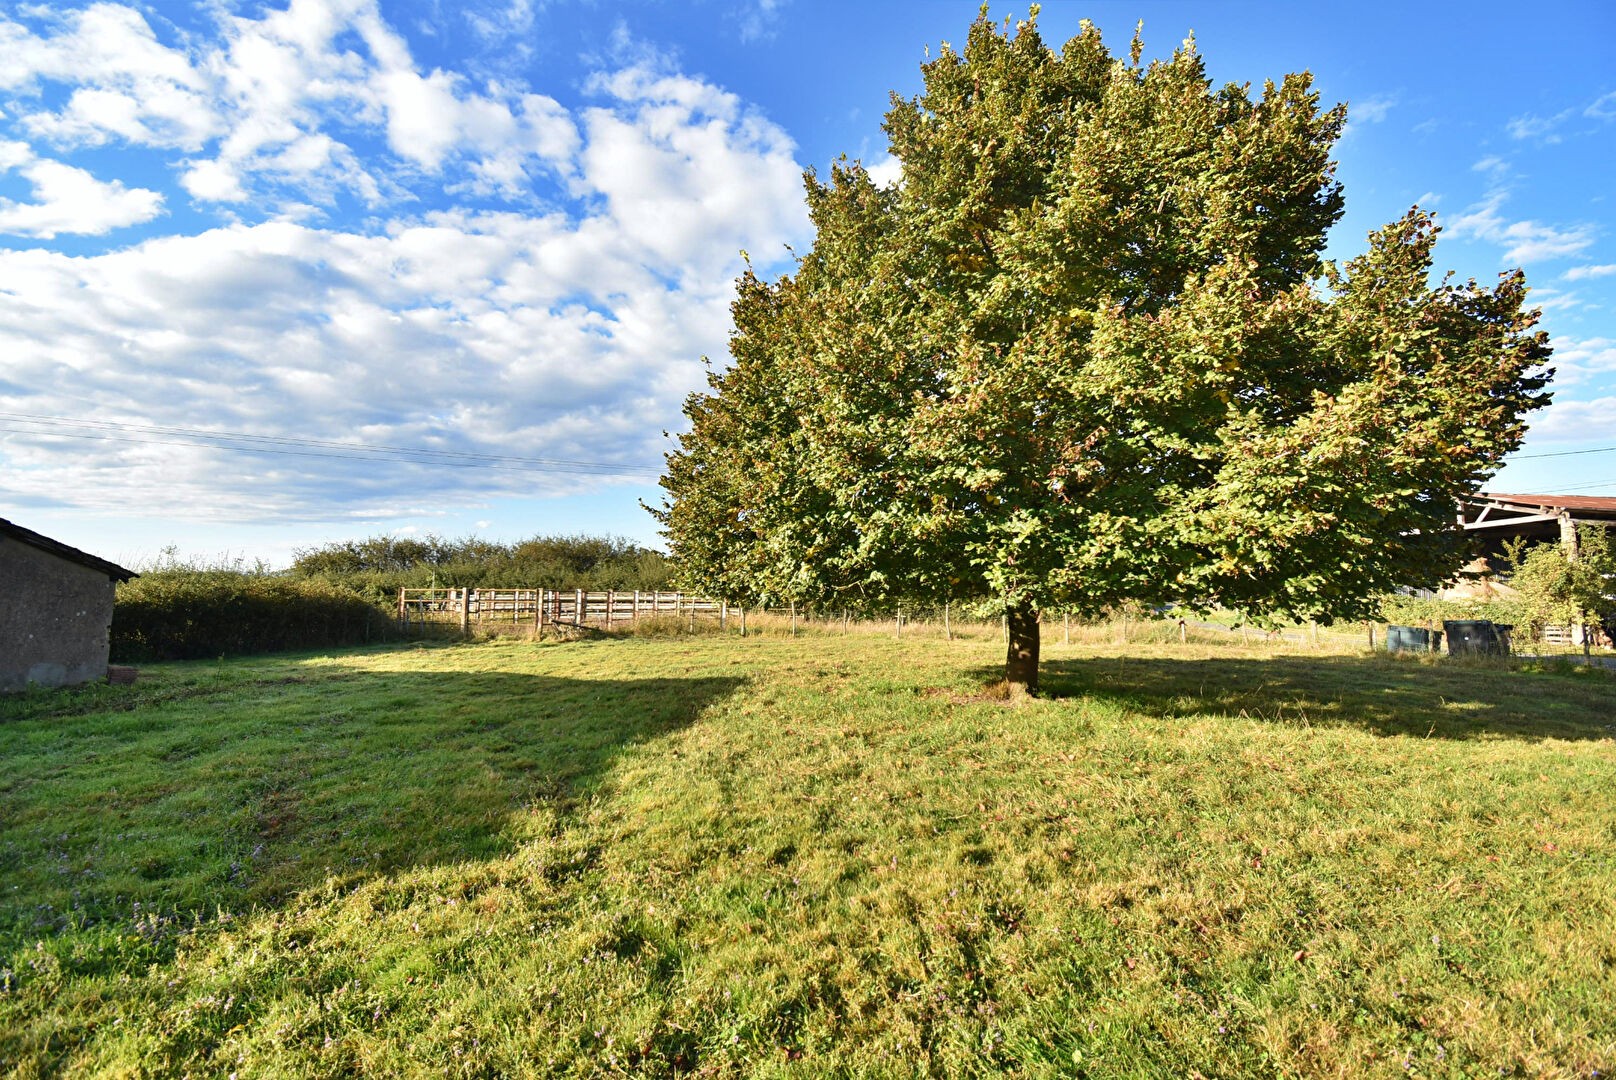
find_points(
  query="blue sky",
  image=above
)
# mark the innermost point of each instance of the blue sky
(507, 233)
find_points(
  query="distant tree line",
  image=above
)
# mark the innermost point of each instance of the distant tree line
(381, 565)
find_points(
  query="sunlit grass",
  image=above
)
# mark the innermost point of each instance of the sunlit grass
(813, 856)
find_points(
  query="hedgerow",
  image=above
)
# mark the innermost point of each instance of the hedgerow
(186, 614)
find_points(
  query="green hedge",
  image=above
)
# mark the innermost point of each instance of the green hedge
(185, 614)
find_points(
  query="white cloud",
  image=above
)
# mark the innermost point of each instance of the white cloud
(69, 199)
(548, 334)
(1372, 110)
(1603, 108)
(1538, 127)
(1575, 421)
(1492, 165)
(1553, 299)
(1523, 241)
(274, 102)
(1582, 360)
(1580, 273)
(757, 19)
(130, 86)
(885, 170)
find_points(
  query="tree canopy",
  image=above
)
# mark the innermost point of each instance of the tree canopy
(1086, 350)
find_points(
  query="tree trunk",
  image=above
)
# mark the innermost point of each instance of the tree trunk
(1021, 657)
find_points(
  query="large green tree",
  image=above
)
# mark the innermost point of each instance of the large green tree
(1086, 350)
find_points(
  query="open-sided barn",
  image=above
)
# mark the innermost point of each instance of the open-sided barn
(55, 610)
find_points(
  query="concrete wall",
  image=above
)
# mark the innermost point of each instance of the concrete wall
(54, 618)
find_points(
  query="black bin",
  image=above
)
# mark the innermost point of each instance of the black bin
(1411, 639)
(1477, 636)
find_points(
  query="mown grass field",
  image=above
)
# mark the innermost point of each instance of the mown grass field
(813, 856)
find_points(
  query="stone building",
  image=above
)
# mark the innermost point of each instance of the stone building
(55, 610)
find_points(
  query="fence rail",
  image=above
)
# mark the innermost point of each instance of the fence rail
(573, 608)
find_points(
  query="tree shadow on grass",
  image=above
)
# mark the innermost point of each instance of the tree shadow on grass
(1385, 695)
(269, 786)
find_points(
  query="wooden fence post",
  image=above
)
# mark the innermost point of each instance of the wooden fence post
(793, 618)
(844, 622)
(723, 615)
(465, 611)
(634, 618)
(1066, 623)
(948, 630)
(1183, 633)
(579, 607)
(611, 598)
(743, 620)
(403, 613)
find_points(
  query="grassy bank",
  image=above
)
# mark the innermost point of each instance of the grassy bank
(811, 856)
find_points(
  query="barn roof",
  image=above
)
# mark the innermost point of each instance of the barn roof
(1591, 506)
(62, 551)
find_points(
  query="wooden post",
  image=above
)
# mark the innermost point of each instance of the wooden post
(743, 620)
(465, 611)
(900, 623)
(611, 599)
(723, 615)
(1066, 627)
(579, 606)
(635, 617)
(948, 630)
(1183, 633)
(403, 613)
(793, 618)
(844, 622)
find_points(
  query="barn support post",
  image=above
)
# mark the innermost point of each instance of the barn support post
(1568, 535)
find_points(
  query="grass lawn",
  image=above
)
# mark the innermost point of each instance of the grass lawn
(813, 856)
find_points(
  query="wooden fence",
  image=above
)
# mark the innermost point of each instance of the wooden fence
(559, 608)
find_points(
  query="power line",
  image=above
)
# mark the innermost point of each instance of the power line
(1566, 453)
(143, 434)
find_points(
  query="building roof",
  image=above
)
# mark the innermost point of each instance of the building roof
(62, 551)
(1597, 506)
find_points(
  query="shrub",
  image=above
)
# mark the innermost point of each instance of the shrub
(181, 613)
